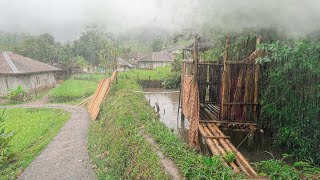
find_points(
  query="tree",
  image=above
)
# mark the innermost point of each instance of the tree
(156, 45)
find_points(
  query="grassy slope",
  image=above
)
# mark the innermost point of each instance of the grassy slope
(116, 133)
(33, 130)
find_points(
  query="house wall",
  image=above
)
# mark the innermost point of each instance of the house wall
(29, 82)
(122, 68)
(151, 64)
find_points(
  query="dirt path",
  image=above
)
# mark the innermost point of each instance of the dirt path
(66, 157)
(169, 165)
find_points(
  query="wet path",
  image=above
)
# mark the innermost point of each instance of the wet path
(66, 157)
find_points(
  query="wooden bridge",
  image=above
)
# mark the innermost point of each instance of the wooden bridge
(221, 96)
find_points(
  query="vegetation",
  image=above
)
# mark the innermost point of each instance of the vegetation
(290, 96)
(125, 115)
(5, 137)
(33, 130)
(76, 88)
(159, 73)
(277, 169)
(16, 95)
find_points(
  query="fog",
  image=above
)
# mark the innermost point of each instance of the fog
(66, 19)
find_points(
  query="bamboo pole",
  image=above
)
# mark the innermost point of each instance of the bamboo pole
(225, 82)
(256, 84)
(243, 160)
(227, 148)
(210, 144)
(237, 94)
(222, 151)
(195, 57)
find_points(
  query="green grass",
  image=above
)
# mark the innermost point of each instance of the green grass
(33, 130)
(116, 132)
(159, 73)
(76, 88)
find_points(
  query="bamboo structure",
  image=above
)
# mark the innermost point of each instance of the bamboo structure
(228, 98)
(99, 95)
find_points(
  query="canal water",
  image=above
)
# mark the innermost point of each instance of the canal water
(256, 148)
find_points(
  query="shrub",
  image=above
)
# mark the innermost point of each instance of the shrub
(290, 96)
(172, 82)
(17, 94)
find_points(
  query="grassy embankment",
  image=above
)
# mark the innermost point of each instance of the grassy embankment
(75, 89)
(118, 150)
(33, 130)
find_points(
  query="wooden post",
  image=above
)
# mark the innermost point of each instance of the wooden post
(182, 54)
(256, 84)
(195, 57)
(225, 82)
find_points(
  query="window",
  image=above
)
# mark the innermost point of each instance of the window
(38, 80)
(7, 84)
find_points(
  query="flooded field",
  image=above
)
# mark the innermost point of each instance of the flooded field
(166, 102)
(256, 148)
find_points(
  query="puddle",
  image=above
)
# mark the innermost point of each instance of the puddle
(167, 101)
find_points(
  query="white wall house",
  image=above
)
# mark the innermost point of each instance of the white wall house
(31, 75)
(155, 59)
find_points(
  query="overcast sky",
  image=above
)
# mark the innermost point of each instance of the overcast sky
(66, 18)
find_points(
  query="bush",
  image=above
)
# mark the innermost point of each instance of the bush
(172, 82)
(277, 169)
(17, 94)
(290, 96)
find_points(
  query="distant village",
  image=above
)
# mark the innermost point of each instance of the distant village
(32, 75)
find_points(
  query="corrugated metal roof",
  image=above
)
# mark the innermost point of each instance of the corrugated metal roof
(11, 63)
(157, 57)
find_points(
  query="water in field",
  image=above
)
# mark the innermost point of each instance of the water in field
(256, 148)
(166, 103)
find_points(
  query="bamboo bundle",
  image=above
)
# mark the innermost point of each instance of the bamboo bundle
(97, 100)
(99, 95)
(219, 144)
(241, 158)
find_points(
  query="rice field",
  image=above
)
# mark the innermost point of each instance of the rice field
(75, 89)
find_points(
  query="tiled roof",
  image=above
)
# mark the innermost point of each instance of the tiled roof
(136, 55)
(157, 57)
(122, 62)
(11, 63)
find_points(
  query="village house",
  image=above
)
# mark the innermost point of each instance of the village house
(155, 59)
(133, 58)
(123, 65)
(31, 75)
